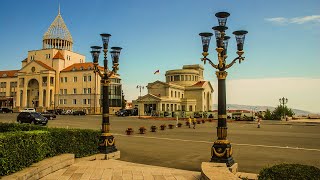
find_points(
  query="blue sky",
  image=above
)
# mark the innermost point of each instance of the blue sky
(282, 43)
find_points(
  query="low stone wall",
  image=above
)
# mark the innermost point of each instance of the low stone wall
(43, 168)
(217, 171)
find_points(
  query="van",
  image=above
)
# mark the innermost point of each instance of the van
(28, 110)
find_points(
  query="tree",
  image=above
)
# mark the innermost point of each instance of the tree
(281, 111)
(268, 115)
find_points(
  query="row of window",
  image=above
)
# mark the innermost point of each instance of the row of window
(182, 78)
(48, 56)
(176, 94)
(75, 79)
(85, 91)
(74, 101)
(175, 107)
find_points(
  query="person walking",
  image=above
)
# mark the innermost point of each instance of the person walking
(190, 121)
(259, 122)
(194, 122)
(177, 119)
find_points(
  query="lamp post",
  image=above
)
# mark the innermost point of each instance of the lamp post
(221, 150)
(283, 101)
(107, 141)
(139, 87)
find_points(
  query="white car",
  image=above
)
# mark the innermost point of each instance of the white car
(28, 110)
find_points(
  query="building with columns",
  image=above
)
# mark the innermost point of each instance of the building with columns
(185, 90)
(56, 77)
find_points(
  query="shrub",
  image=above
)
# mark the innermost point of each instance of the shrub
(290, 171)
(23, 145)
(21, 149)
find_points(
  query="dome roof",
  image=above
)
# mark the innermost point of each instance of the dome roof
(58, 30)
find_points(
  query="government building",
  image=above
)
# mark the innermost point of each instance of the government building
(185, 90)
(56, 77)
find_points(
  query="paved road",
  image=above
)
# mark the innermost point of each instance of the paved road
(184, 148)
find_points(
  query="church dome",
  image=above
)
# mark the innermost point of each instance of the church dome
(57, 35)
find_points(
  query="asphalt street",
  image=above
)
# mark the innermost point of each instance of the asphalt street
(183, 148)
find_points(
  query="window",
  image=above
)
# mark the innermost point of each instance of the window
(65, 79)
(61, 79)
(178, 94)
(3, 84)
(89, 78)
(171, 93)
(75, 79)
(84, 78)
(65, 101)
(60, 101)
(171, 78)
(84, 101)
(175, 93)
(176, 78)
(74, 90)
(182, 95)
(182, 78)
(190, 108)
(47, 56)
(51, 80)
(89, 90)
(163, 107)
(65, 91)
(84, 90)
(74, 101)
(61, 91)
(89, 101)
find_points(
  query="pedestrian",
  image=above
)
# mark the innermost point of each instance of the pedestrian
(190, 121)
(177, 120)
(259, 121)
(194, 122)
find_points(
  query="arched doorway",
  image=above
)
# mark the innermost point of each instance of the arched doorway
(33, 93)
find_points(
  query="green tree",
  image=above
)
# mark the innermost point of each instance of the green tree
(268, 115)
(281, 111)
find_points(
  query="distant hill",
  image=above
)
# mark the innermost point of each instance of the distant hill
(259, 108)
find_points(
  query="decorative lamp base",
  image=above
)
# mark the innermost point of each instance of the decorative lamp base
(107, 144)
(221, 152)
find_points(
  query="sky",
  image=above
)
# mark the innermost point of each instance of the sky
(281, 48)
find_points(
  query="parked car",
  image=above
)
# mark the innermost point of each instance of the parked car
(6, 110)
(49, 115)
(79, 113)
(55, 111)
(124, 112)
(67, 112)
(28, 110)
(32, 118)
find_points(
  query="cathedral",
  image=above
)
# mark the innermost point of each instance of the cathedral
(55, 77)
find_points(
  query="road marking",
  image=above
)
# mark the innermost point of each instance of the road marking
(209, 142)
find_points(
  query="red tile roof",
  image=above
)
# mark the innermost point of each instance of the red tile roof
(199, 84)
(9, 73)
(78, 66)
(58, 56)
(44, 65)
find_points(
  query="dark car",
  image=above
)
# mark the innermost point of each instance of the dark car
(32, 118)
(6, 110)
(48, 115)
(56, 111)
(125, 112)
(79, 113)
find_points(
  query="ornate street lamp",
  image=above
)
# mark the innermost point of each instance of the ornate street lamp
(139, 87)
(221, 150)
(283, 101)
(107, 141)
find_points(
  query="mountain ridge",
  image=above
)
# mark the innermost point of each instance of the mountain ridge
(260, 108)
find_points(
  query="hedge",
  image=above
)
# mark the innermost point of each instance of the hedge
(21, 145)
(290, 172)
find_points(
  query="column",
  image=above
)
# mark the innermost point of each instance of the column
(40, 94)
(24, 95)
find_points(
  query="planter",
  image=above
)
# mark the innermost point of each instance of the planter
(129, 131)
(179, 125)
(163, 127)
(170, 126)
(198, 122)
(153, 128)
(142, 130)
(203, 121)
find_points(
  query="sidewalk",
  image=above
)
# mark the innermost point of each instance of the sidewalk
(117, 170)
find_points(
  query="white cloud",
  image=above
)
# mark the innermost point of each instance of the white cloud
(278, 20)
(301, 20)
(296, 20)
